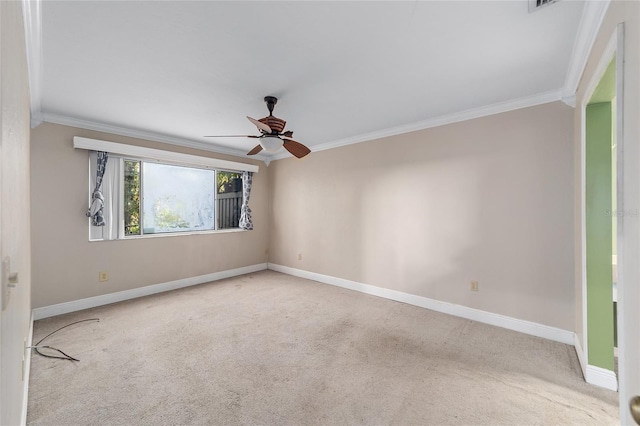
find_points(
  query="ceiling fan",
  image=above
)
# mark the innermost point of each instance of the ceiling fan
(272, 137)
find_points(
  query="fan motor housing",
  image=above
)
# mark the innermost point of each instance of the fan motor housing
(276, 124)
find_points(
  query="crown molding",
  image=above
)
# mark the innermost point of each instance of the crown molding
(32, 17)
(592, 17)
(140, 134)
(497, 108)
(285, 154)
(570, 100)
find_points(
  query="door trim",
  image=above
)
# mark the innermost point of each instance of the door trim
(605, 59)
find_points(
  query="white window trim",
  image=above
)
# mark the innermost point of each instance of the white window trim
(123, 152)
(143, 153)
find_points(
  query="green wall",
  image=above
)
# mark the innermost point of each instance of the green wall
(599, 235)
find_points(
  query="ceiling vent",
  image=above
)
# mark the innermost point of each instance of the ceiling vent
(538, 4)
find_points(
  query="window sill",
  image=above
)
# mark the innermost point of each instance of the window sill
(174, 234)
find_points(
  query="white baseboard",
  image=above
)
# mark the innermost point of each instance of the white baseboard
(105, 299)
(595, 375)
(582, 356)
(601, 377)
(27, 370)
(527, 327)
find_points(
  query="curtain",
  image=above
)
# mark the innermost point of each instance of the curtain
(112, 198)
(245, 211)
(112, 188)
(96, 206)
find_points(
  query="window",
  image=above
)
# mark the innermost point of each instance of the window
(161, 198)
(228, 199)
(146, 191)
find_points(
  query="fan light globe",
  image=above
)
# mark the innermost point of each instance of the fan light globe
(271, 144)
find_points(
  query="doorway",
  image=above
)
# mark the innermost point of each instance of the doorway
(600, 228)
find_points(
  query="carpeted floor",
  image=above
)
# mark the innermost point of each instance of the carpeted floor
(268, 348)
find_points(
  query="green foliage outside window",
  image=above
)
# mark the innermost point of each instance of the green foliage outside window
(167, 214)
(228, 182)
(132, 197)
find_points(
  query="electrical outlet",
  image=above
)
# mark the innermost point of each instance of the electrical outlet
(474, 286)
(103, 276)
(299, 256)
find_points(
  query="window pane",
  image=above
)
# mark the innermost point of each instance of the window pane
(131, 197)
(177, 199)
(229, 199)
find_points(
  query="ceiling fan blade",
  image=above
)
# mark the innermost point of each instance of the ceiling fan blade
(260, 125)
(232, 136)
(288, 134)
(255, 150)
(296, 148)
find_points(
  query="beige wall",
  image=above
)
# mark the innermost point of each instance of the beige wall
(14, 208)
(425, 213)
(66, 264)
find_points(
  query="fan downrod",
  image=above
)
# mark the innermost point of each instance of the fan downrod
(271, 102)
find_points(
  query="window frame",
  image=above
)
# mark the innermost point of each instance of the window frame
(124, 152)
(121, 229)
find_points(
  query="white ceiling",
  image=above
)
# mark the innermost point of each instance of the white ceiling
(343, 71)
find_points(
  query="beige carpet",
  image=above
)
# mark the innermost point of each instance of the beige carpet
(268, 348)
